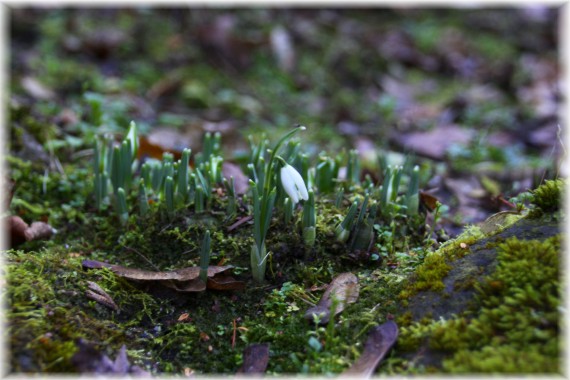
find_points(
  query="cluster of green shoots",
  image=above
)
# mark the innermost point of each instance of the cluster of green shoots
(280, 179)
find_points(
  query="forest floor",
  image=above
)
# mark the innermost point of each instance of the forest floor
(469, 97)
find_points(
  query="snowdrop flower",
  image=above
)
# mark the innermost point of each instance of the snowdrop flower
(293, 184)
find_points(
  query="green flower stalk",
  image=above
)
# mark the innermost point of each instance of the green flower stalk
(100, 180)
(199, 197)
(143, 199)
(214, 168)
(205, 257)
(121, 203)
(156, 178)
(146, 169)
(324, 175)
(288, 209)
(126, 162)
(117, 174)
(413, 196)
(364, 232)
(309, 220)
(132, 138)
(396, 183)
(353, 168)
(169, 196)
(342, 231)
(339, 198)
(263, 208)
(231, 209)
(303, 163)
(182, 191)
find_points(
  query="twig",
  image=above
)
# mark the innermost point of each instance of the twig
(243, 220)
(143, 256)
(234, 334)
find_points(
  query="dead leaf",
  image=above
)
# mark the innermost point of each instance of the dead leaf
(204, 337)
(434, 143)
(282, 48)
(97, 294)
(166, 86)
(255, 359)
(496, 221)
(87, 359)
(241, 181)
(162, 140)
(20, 232)
(428, 200)
(182, 280)
(102, 43)
(39, 230)
(17, 230)
(344, 288)
(36, 89)
(379, 342)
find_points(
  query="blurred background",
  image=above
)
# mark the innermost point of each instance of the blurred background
(473, 94)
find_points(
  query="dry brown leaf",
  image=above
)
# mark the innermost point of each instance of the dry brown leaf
(39, 230)
(182, 280)
(282, 48)
(379, 342)
(241, 181)
(496, 221)
(428, 200)
(166, 86)
(20, 232)
(255, 359)
(97, 294)
(17, 230)
(36, 90)
(435, 143)
(344, 289)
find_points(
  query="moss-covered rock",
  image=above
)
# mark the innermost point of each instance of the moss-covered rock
(497, 311)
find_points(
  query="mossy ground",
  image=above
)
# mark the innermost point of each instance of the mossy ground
(514, 317)
(167, 332)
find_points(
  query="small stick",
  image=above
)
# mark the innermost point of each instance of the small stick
(243, 220)
(234, 334)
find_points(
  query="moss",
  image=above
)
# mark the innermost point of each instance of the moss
(430, 274)
(513, 325)
(548, 196)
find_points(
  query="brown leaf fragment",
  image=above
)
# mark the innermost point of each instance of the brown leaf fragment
(379, 342)
(166, 86)
(17, 229)
(39, 230)
(184, 274)
(97, 294)
(344, 289)
(224, 282)
(36, 89)
(255, 359)
(428, 200)
(241, 181)
(182, 280)
(87, 359)
(20, 232)
(282, 48)
(192, 286)
(435, 143)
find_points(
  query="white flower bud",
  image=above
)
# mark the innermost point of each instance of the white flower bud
(293, 184)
